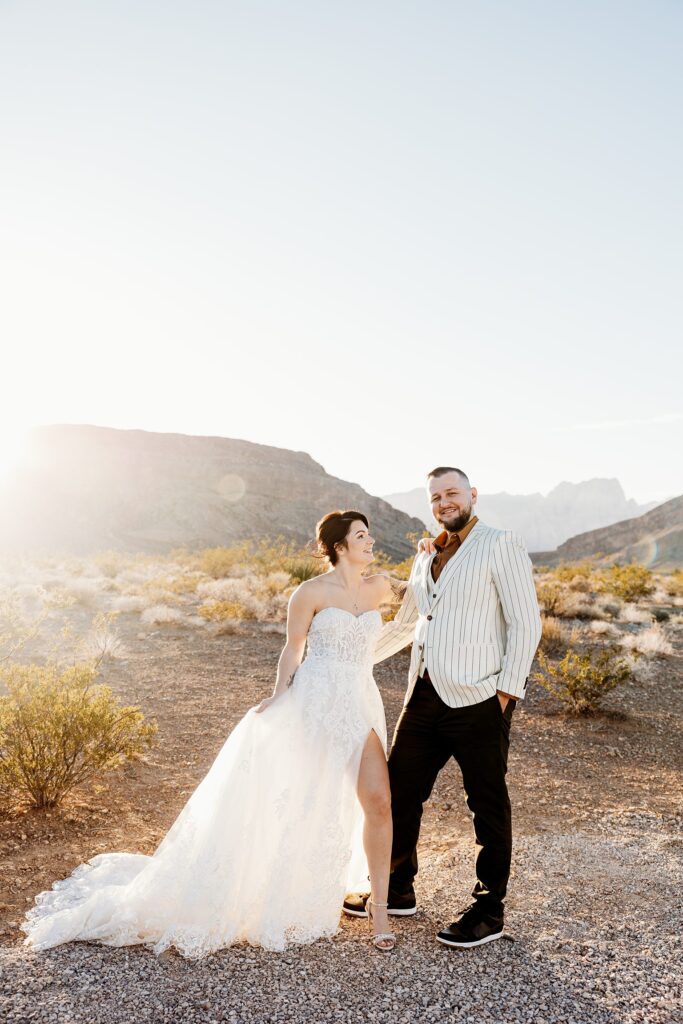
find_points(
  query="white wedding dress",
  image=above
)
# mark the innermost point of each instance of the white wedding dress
(269, 842)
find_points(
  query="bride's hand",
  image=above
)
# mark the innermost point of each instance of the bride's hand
(264, 704)
(426, 544)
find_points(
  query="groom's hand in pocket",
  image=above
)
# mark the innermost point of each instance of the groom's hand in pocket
(503, 700)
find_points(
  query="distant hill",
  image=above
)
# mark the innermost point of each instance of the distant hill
(85, 488)
(543, 521)
(655, 539)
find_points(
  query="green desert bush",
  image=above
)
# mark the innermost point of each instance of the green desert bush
(581, 681)
(303, 567)
(58, 729)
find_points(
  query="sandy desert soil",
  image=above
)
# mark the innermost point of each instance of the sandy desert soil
(595, 909)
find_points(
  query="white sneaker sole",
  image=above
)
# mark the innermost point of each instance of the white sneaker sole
(467, 945)
(392, 913)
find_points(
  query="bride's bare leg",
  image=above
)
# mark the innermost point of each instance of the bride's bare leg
(375, 798)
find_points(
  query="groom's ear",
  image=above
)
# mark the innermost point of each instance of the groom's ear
(474, 495)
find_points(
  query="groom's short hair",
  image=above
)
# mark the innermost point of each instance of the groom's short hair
(441, 470)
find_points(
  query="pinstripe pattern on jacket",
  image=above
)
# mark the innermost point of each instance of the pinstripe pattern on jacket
(475, 629)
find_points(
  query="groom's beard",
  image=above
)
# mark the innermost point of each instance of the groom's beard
(454, 523)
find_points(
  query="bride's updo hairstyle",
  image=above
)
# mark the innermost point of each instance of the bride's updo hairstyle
(332, 531)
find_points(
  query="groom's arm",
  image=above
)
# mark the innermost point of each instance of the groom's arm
(514, 581)
(400, 631)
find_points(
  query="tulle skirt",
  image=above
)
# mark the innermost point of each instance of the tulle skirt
(264, 849)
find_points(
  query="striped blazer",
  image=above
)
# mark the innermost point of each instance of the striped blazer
(477, 628)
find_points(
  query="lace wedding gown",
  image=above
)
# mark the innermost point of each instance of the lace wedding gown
(269, 842)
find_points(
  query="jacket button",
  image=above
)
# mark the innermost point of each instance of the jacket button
(429, 618)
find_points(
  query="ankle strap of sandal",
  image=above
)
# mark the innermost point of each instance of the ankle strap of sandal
(376, 904)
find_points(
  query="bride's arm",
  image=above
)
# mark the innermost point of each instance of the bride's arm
(400, 631)
(299, 616)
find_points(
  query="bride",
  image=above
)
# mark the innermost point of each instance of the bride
(294, 812)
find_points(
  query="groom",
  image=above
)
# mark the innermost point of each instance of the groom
(471, 611)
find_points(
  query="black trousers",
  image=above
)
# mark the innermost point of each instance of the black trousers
(428, 733)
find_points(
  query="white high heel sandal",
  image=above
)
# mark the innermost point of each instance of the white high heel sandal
(384, 940)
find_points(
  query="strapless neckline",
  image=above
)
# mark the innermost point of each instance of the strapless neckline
(344, 611)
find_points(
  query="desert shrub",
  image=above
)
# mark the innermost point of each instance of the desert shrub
(162, 614)
(181, 584)
(104, 639)
(661, 614)
(219, 610)
(258, 597)
(275, 582)
(673, 583)
(651, 642)
(635, 615)
(219, 562)
(58, 729)
(551, 597)
(58, 598)
(128, 603)
(303, 567)
(576, 606)
(581, 681)
(629, 582)
(567, 572)
(609, 609)
(109, 563)
(581, 576)
(16, 628)
(556, 637)
(223, 590)
(601, 628)
(643, 670)
(84, 591)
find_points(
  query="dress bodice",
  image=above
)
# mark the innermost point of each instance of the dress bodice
(338, 635)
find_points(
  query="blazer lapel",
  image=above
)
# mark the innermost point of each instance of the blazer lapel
(425, 583)
(472, 540)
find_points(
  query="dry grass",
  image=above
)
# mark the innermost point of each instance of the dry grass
(651, 643)
(556, 636)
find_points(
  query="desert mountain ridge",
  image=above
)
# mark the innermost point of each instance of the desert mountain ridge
(82, 489)
(544, 521)
(655, 539)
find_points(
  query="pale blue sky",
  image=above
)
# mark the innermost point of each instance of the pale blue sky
(389, 234)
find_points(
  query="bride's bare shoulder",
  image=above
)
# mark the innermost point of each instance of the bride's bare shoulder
(313, 588)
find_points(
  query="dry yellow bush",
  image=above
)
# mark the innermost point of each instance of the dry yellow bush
(551, 597)
(628, 582)
(219, 610)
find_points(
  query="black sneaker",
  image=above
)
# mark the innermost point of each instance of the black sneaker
(399, 906)
(473, 928)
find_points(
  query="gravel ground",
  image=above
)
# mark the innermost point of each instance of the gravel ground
(565, 959)
(594, 914)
